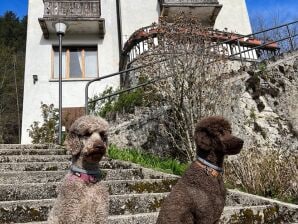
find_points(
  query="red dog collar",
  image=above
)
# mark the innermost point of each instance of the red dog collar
(88, 176)
(85, 177)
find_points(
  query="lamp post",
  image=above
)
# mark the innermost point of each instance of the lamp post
(60, 28)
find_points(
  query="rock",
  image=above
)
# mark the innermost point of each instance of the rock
(263, 111)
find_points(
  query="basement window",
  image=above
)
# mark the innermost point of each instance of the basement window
(77, 62)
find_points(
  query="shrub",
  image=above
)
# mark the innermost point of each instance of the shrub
(269, 173)
(123, 103)
(45, 133)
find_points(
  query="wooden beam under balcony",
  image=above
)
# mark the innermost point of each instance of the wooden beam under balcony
(205, 10)
(82, 16)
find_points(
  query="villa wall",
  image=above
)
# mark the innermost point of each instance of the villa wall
(134, 13)
(38, 62)
(234, 17)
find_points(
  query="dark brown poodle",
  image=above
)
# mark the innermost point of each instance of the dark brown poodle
(199, 196)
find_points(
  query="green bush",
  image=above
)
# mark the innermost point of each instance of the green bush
(45, 133)
(123, 103)
(167, 165)
(127, 102)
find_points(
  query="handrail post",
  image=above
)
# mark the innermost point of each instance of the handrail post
(86, 99)
(291, 38)
(239, 47)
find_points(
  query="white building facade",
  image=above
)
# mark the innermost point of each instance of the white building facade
(98, 29)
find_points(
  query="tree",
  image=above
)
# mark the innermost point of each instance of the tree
(193, 70)
(260, 23)
(12, 59)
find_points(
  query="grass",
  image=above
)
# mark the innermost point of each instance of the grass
(267, 173)
(166, 165)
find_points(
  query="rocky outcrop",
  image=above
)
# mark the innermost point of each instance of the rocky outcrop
(140, 130)
(263, 111)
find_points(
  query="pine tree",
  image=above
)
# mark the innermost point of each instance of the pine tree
(12, 60)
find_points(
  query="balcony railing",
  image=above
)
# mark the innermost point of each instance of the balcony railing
(72, 8)
(82, 16)
(147, 37)
(183, 2)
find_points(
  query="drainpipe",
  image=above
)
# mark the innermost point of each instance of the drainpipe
(119, 27)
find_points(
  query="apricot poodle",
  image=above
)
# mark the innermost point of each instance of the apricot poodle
(82, 197)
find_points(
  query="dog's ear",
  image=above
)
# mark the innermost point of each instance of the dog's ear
(73, 144)
(203, 140)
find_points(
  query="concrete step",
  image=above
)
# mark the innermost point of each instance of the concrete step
(24, 211)
(30, 146)
(37, 210)
(142, 218)
(38, 158)
(256, 214)
(149, 218)
(13, 192)
(120, 187)
(35, 166)
(135, 203)
(123, 206)
(56, 176)
(55, 166)
(8, 152)
(34, 158)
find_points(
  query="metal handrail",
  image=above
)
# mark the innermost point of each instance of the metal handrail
(211, 46)
(259, 32)
(262, 45)
(108, 76)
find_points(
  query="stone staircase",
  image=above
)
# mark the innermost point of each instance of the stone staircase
(30, 175)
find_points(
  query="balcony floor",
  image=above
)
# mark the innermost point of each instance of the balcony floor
(76, 25)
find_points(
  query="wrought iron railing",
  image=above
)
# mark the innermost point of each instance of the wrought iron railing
(263, 50)
(145, 38)
(182, 2)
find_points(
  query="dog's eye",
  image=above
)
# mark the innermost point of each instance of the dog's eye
(104, 136)
(87, 134)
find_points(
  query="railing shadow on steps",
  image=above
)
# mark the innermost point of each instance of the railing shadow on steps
(263, 50)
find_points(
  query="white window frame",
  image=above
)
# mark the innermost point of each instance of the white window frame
(67, 61)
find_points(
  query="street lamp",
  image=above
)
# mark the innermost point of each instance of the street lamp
(60, 28)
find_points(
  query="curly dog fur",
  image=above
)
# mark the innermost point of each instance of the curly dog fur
(81, 201)
(199, 196)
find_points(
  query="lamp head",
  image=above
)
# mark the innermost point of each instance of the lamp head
(60, 27)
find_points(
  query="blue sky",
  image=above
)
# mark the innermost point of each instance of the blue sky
(286, 9)
(18, 6)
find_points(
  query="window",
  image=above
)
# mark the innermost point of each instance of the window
(77, 63)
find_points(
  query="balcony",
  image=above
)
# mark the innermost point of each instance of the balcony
(237, 46)
(205, 10)
(82, 16)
